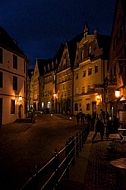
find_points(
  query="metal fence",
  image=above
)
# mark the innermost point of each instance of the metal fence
(50, 175)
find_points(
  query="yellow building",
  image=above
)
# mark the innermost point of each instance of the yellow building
(90, 70)
(42, 86)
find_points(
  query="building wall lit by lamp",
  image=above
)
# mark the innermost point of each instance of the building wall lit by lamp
(117, 93)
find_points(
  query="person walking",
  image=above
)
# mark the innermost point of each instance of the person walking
(77, 118)
(109, 127)
(99, 129)
(82, 118)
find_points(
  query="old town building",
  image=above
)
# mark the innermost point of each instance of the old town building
(117, 64)
(64, 77)
(13, 72)
(90, 71)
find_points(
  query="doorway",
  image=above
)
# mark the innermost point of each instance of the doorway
(20, 111)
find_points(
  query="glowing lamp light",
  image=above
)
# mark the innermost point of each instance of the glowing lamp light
(98, 97)
(117, 93)
(20, 98)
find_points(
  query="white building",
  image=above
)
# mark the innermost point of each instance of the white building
(12, 80)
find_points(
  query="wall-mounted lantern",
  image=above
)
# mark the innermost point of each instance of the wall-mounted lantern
(117, 93)
(20, 98)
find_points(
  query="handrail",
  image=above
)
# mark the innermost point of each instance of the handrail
(58, 164)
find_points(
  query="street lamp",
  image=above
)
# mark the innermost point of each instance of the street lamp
(55, 96)
(117, 93)
(20, 98)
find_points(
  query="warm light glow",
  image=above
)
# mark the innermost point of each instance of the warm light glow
(55, 95)
(20, 98)
(117, 93)
(98, 97)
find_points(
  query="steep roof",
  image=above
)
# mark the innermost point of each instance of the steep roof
(30, 73)
(8, 43)
(104, 42)
(58, 55)
(72, 45)
(43, 63)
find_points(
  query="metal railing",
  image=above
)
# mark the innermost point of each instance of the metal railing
(50, 175)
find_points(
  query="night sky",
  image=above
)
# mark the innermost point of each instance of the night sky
(40, 26)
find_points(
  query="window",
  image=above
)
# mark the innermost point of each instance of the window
(14, 83)
(76, 75)
(24, 86)
(48, 105)
(14, 61)
(12, 106)
(42, 104)
(1, 55)
(1, 79)
(89, 87)
(83, 89)
(76, 107)
(90, 71)
(76, 91)
(84, 73)
(89, 49)
(87, 106)
(96, 68)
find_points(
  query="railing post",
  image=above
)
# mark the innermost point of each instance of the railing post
(56, 166)
(67, 159)
(34, 173)
(77, 146)
(73, 151)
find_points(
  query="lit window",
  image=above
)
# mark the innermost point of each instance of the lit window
(96, 68)
(42, 104)
(84, 73)
(48, 105)
(90, 71)
(87, 106)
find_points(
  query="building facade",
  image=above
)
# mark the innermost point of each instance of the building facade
(90, 70)
(117, 64)
(64, 77)
(13, 72)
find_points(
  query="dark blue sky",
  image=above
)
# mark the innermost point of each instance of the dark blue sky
(40, 26)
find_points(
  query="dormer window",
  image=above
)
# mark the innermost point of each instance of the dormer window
(48, 67)
(44, 68)
(52, 65)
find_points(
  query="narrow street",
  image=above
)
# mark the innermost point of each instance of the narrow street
(21, 148)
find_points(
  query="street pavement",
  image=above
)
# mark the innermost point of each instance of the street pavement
(92, 169)
(24, 145)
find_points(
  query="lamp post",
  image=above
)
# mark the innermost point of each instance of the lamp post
(54, 95)
(98, 97)
(117, 95)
